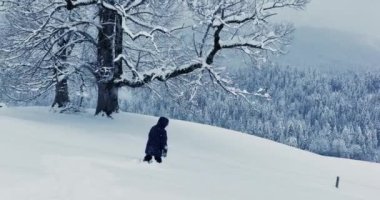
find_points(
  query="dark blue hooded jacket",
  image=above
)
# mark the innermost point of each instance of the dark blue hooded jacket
(157, 138)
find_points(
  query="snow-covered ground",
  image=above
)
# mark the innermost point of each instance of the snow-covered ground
(48, 156)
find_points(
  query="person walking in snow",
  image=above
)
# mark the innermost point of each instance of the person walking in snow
(157, 142)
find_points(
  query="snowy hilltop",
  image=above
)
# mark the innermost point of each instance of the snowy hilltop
(48, 156)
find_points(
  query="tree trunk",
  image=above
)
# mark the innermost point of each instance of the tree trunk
(109, 46)
(61, 88)
(61, 94)
(118, 46)
(107, 98)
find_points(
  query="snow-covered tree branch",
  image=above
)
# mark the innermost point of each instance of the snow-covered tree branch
(226, 25)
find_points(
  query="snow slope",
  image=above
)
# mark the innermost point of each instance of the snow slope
(48, 156)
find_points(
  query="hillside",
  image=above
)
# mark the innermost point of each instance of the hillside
(48, 156)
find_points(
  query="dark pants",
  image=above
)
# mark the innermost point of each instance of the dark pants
(148, 158)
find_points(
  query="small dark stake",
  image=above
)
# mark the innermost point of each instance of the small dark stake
(337, 182)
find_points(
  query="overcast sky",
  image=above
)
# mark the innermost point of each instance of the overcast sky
(356, 16)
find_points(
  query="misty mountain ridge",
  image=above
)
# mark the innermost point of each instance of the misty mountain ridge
(331, 50)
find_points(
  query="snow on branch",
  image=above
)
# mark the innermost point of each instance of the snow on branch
(159, 74)
(133, 4)
(234, 24)
(128, 16)
(271, 41)
(296, 4)
(264, 40)
(222, 82)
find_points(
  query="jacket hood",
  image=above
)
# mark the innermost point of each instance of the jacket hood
(162, 122)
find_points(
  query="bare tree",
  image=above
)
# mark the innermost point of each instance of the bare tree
(141, 42)
(243, 25)
(40, 50)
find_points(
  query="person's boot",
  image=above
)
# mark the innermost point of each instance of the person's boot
(158, 159)
(148, 159)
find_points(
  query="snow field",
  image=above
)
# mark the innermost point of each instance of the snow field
(49, 156)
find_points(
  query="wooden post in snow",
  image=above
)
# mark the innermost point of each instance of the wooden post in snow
(337, 182)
